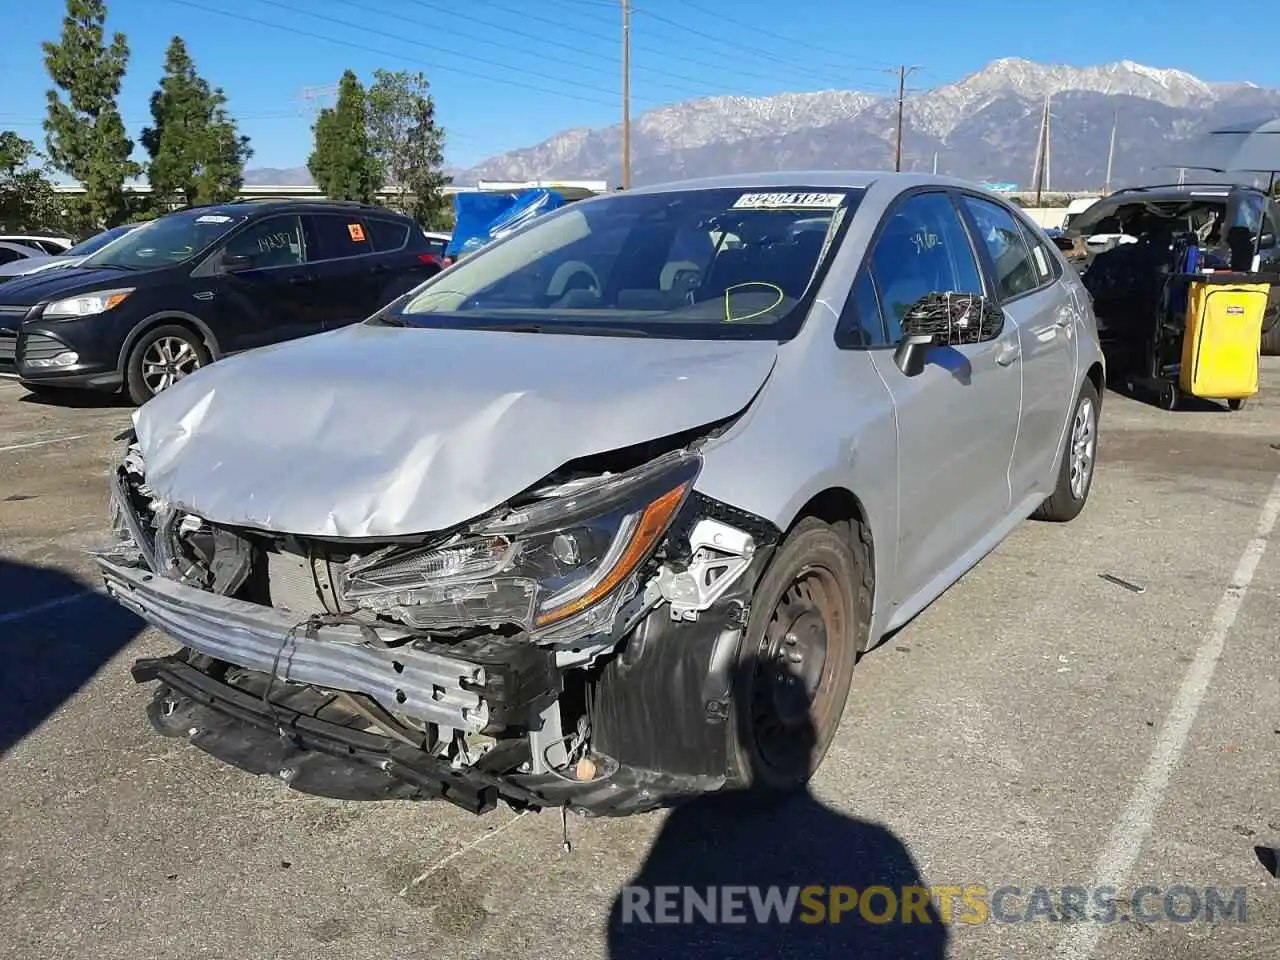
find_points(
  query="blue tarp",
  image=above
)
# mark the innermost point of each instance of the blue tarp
(482, 216)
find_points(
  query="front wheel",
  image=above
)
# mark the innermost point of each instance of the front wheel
(1079, 455)
(809, 615)
(161, 357)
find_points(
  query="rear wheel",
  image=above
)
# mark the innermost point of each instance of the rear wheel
(1236, 403)
(1075, 473)
(809, 615)
(161, 357)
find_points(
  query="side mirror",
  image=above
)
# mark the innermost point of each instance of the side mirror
(234, 262)
(948, 320)
(1267, 241)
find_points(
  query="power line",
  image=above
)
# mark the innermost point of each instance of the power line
(245, 18)
(577, 49)
(774, 35)
(735, 47)
(636, 47)
(302, 11)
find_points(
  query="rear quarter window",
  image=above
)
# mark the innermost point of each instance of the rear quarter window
(387, 235)
(333, 237)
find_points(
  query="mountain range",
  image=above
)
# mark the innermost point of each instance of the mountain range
(982, 127)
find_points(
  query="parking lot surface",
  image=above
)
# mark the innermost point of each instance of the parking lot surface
(1038, 727)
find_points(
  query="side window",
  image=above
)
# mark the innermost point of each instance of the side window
(922, 249)
(8, 256)
(1047, 265)
(387, 235)
(861, 324)
(273, 242)
(1247, 212)
(331, 236)
(1015, 273)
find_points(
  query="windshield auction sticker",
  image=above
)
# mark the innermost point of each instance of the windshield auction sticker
(791, 201)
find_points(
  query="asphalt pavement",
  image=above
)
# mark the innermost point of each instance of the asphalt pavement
(1039, 727)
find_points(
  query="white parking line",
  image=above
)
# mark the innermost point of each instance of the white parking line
(43, 443)
(12, 615)
(1125, 843)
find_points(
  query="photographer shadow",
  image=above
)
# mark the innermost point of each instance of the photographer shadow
(718, 844)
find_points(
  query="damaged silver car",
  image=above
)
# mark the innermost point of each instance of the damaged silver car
(604, 516)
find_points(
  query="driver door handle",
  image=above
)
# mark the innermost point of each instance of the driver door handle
(1008, 352)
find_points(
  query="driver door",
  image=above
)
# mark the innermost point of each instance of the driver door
(957, 421)
(271, 298)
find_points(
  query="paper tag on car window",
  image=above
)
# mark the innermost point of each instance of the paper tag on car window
(791, 201)
(356, 231)
(212, 218)
(1041, 263)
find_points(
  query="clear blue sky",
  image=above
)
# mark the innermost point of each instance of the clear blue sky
(504, 79)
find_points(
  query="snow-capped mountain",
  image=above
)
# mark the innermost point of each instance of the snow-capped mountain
(983, 126)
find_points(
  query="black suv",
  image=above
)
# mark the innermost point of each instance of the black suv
(200, 284)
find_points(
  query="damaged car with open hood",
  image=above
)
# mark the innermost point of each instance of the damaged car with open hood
(603, 516)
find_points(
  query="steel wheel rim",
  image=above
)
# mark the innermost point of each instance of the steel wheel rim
(1083, 439)
(792, 686)
(166, 361)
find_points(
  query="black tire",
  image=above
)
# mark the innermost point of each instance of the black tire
(1236, 403)
(813, 601)
(1271, 340)
(1068, 497)
(137, 381)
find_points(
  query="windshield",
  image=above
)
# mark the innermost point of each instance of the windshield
(168, 240)
(696, 264)
(98, 241)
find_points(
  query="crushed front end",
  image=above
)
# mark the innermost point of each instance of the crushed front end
(574, 647)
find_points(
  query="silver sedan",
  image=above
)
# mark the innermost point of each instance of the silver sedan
(604, 515)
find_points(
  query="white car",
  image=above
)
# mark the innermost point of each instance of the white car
(19, 266)
(42, 243)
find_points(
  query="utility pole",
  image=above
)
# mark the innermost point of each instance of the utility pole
(903, 72)
(935, 163)
(1111, 151)
(1048, 141)
(1042, 152)
(626, 94)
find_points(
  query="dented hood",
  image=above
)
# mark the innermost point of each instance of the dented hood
(374, 431)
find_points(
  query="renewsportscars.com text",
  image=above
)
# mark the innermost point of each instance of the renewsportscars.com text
(971, 904)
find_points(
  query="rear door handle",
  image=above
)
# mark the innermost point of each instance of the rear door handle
(1009, 351)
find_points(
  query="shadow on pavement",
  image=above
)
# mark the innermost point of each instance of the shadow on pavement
(78, 399)
(53, 650)
(747, 839)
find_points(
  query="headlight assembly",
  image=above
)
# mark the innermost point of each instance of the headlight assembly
(86, 305)
(558, 567)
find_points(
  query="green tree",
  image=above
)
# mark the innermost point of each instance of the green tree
(408, 145)
(197, 156)
(85, 134)
(341, 163)
(27, 198)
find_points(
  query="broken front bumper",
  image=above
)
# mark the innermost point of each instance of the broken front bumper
(280, 727)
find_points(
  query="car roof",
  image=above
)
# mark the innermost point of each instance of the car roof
(249, 208)
(836, 179)
(1181, 191)
(22, 248)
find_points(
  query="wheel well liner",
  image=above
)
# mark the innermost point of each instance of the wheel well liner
(842, 509)
(1097, 376)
